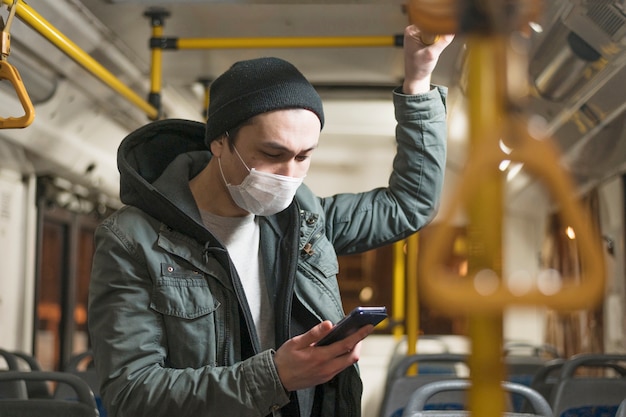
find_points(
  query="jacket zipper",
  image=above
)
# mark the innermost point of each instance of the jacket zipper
(290, 276)
(246, 311)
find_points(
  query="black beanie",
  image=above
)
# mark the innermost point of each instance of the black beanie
(257, 86)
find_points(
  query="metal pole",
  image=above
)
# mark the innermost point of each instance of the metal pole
(47, 30)
(285, 42)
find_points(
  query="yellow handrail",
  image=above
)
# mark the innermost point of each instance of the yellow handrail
(412, 305)
(399, 289)
(159, 43)
(286, 42)
(47, 30)
(9, 73)
(483, 294)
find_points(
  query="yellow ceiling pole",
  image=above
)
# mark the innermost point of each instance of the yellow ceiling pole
(412, 304)
(399, 289)
(484, 212)
(206, 85)
(58, 39)
(494, 109)
(157, 16)
(285, 42)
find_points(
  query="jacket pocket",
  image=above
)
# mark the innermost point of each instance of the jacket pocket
(316, 283)
(319, 255)
(182, 293)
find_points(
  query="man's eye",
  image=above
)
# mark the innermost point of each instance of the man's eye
(301, 158)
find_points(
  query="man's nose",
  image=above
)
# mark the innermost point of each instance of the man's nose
(291, 169)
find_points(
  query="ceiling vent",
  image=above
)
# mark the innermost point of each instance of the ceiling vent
(577, 47)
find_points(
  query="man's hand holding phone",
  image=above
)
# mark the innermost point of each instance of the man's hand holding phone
(302, 363)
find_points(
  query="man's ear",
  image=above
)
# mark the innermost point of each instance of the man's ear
(217, 146)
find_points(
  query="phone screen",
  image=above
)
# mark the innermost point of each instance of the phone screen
(357, 318)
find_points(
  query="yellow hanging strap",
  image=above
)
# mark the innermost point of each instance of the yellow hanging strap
(9, 73)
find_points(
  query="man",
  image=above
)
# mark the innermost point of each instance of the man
(212, 285)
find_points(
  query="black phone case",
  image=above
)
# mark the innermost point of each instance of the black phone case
(357, 318)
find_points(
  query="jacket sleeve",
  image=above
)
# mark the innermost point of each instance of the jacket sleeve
(131, 356)
(363, 221)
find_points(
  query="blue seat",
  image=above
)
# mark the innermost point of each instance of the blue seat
(546, 378)
(431, 367)
(588, 396)
(418, 402)
(522, 361)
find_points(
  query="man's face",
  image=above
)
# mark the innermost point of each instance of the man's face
(279, 142)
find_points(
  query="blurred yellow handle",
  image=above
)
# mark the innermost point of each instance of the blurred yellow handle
(7, 72)
(433, 16)
(466, 294)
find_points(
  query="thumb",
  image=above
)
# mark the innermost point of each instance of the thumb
(315, 334)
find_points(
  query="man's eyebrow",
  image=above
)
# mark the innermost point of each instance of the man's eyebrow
(278, 146)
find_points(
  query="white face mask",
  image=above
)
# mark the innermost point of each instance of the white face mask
(262, 193)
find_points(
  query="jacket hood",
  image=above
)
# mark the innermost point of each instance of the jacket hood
(155, 163)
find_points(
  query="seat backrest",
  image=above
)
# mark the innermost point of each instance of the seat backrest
(589, 396)
(82, 366)
(522, 369)
(10, 359)
(546, 378)
(523, 360)
(84, 406)
(11, 388)
(36, 389)
(621, 410)
(543, 351)
(417, 404)
(400, 386)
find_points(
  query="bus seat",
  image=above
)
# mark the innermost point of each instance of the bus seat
(417, 405)
(430, 344)
(82, 366)
(35, 388)
(85, 406)
(11, 388)
(621, 410)
(400, 385)
(546, 378)
(522, 361)
(588, 396)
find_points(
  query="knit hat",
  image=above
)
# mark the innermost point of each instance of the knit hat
(257, 86)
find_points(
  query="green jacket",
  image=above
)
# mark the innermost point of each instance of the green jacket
(170, 328)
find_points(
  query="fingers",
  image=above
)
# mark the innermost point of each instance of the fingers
(426, 39)
(314, 335)
(301, 364)
(348, 344)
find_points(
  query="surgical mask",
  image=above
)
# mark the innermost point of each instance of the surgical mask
(262, 193)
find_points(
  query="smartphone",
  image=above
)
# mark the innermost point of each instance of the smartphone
(357, 318)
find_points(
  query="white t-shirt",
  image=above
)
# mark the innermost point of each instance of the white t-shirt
(241, 238)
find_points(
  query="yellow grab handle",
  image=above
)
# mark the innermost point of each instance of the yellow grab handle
(485, 291)
(434, 16)
(7, 72)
